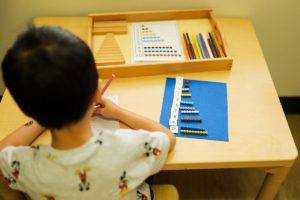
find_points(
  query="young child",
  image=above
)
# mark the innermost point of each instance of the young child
(52, 76)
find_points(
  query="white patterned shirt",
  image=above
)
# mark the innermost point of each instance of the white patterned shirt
(111, 165)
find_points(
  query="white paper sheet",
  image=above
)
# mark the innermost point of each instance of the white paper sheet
(98, 123)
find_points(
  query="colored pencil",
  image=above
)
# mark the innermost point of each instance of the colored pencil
(201, 47)
(207, 45)
(197, 47)
(212, 48)
(214, 45)
(187, 46)
(191, 46)
(217, 44)
(204, 45)
(194, 47)
(111, 78)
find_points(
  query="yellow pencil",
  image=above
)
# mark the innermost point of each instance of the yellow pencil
(194, 47)
(197, 47)
(217, 44)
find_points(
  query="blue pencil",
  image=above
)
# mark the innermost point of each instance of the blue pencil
(201, 47)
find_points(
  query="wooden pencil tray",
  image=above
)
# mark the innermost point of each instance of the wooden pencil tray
(188, 20)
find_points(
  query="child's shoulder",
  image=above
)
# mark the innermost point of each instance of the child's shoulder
(19, 149)
(20, 152)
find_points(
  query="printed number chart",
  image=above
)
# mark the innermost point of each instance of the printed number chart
(195, 109)
(156, 41)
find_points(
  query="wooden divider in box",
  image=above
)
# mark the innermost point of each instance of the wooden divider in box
(104, 27)
(194, 20)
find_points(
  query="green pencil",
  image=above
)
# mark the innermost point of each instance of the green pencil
(191, 46)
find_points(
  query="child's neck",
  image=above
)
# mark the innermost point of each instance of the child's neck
(73, 135)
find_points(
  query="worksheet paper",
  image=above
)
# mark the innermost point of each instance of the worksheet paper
(99, 123)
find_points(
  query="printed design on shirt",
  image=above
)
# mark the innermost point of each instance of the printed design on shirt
(51, 156)
(16, 169)
(141, 196)
(82, 173)
(123, 185)
(29, 123)
(155, 151)
(100, 139)
(35, 149)
(48, 196)
(10, 180)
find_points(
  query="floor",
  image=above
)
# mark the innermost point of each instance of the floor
(232, 184)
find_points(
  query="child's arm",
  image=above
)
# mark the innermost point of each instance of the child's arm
(22, 136)
(133, 120)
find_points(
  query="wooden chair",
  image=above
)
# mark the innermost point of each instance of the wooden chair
(165, 192)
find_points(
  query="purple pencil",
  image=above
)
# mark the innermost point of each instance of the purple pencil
(214, 45)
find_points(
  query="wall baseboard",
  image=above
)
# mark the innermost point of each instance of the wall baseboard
(290, 105)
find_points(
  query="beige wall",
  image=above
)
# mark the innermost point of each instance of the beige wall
(276, 23)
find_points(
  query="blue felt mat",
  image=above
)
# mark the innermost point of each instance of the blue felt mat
(210, 98)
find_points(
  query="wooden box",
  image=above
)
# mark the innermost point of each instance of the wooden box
(190, 20)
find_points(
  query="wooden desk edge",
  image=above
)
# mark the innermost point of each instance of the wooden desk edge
(229, 165)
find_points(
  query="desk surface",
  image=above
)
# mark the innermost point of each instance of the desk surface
(259, 135)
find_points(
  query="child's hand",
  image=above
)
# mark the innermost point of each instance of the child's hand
(107, 109)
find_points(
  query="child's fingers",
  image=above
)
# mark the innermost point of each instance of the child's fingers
(101, 103)
(105, 102)
(98, 111)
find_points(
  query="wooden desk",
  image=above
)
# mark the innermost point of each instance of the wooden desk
(259, 136)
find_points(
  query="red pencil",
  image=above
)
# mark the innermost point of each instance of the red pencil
(187, 46)
(111, 78)
(107, 83)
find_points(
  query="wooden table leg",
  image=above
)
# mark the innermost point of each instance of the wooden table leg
(272, 182)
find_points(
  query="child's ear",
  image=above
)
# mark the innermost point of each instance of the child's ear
(97, 95)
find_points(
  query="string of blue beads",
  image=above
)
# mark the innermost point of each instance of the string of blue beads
(187, 102)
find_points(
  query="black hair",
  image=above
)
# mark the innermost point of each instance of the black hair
(51, 75)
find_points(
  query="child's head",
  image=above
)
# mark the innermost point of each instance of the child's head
(52, 76)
